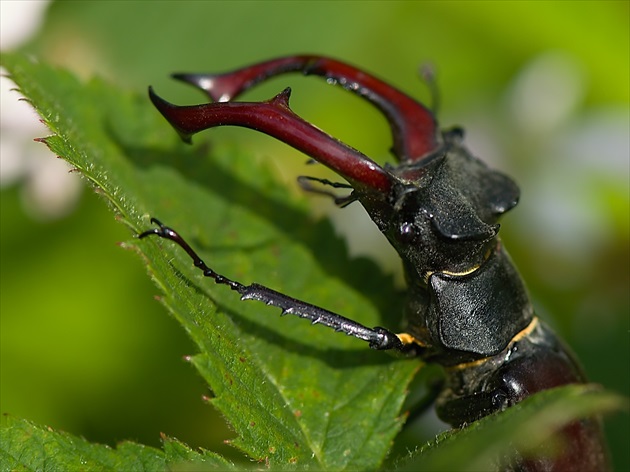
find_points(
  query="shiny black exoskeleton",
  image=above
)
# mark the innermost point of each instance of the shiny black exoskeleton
(467, 306)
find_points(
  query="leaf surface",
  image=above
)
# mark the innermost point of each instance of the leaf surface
(524, 427)
(26, 446)
(296, 395)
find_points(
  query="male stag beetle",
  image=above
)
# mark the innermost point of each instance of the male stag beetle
(467, 307)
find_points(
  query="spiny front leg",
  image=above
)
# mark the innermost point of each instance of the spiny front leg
(378, 338)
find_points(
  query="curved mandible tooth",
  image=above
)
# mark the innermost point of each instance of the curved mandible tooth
(414, 128)
(275, 118)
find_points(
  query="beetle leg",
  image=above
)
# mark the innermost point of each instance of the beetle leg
(413, 126)
(378, 338)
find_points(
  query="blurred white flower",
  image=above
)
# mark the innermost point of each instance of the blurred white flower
(577, 162)
(546, 92)
(48, 190)
(19, 20)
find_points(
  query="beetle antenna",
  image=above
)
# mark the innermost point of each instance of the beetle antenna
(304, 181)
(427, 74)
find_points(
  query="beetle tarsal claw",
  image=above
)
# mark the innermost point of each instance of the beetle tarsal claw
(385, 340)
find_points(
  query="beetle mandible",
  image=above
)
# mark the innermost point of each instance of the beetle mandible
(467, 307)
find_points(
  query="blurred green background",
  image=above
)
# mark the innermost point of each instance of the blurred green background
(541, 88)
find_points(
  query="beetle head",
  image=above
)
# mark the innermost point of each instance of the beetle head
(441, 212)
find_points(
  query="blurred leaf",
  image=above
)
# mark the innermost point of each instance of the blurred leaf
(524, 427)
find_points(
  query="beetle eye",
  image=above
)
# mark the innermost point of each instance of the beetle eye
(407, 232)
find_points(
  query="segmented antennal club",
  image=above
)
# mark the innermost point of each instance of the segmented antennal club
(414, 128)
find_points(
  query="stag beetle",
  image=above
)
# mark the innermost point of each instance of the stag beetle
(467, 307)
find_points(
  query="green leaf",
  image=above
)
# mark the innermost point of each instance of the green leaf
(26, 446)
(523, 427)
(297, 395)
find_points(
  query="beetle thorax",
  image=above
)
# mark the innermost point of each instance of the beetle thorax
(425, 249)
(442, 216)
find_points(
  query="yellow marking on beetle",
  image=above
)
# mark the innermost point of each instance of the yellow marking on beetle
(517, 337)
(525, 331)
(466, 365)
(407, 339)
(428, 274)
(468, 271)
(459, 274)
